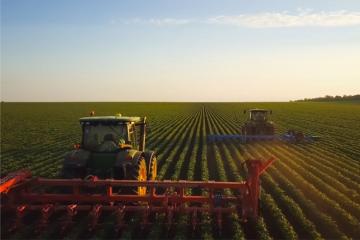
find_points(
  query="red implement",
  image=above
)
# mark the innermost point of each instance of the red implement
(21, 193)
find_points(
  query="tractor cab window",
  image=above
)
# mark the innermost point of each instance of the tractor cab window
(104, 137)
(258, 115)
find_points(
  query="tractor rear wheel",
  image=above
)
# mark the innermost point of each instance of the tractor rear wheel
(139, 173)
(270, 129)
(152, 174)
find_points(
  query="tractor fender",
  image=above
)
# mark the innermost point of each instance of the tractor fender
(76, 158)
(127, 159)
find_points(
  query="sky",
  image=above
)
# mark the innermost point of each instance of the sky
(178, 50)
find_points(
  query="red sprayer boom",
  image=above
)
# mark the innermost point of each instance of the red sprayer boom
(21, 194)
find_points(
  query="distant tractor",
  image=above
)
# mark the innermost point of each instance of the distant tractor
(258, 123)
(258, 127)
(112, 147)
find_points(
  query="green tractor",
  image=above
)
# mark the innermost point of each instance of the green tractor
(258, 123)
(112, 147)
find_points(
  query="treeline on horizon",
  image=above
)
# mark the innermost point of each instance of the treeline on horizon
(329, 98)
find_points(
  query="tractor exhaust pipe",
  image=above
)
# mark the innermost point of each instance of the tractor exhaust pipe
(142, 135)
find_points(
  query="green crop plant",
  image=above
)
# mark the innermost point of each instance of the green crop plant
(311, 192)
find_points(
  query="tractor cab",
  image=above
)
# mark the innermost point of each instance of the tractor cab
(111, 147)
(259, 115)
(112, 133)
(258, 123)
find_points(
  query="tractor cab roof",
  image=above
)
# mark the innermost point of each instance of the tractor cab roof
(258, 110)
(115, 119)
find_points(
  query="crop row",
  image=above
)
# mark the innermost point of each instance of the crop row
(309, 193)
(350, 222)
(283, 229)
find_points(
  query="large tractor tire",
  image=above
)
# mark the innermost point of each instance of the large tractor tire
(139, 172)
(246, 130)
(152, 174)
(68, 172)
(151, 162)
(249, 129)
(270, 129)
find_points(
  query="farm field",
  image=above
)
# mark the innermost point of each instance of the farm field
(311, 192)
